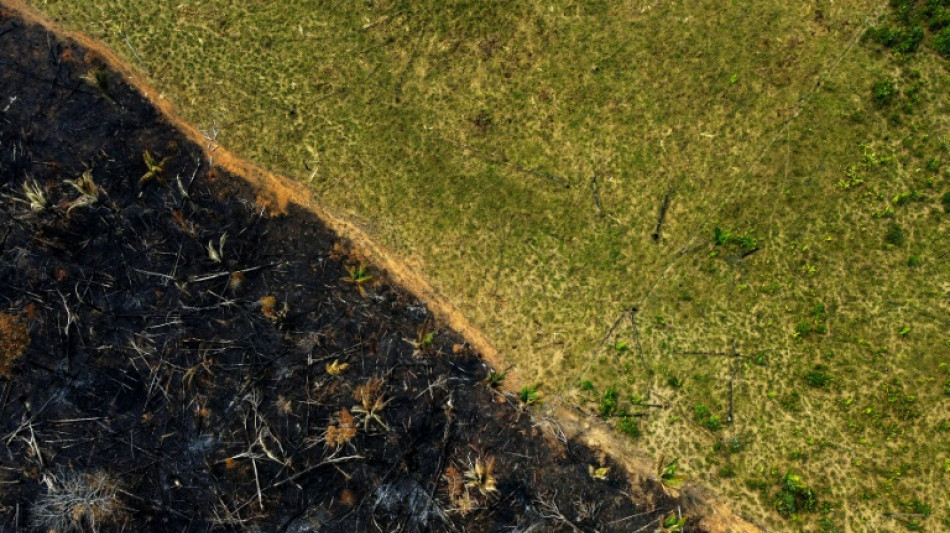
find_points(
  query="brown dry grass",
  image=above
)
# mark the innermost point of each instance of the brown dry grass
(14, 338)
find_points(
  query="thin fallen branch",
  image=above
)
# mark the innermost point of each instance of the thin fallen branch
(305, 471)
(661, 216)
(216, 275)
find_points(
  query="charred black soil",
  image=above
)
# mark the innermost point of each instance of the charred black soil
(178, 358)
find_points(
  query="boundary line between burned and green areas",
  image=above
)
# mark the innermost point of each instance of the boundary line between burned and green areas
(279, 192)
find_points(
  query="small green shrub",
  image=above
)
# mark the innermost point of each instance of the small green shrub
(806, 328)
(771, 288)
(916, 511)
(700, 412)
(705, 418)
(911, 39)
(818, 377)
(941, 42)
(902, 40)
(906, 197)
(945, 200)
(794, 497)
(609, 402)
(674, 382)
(938, 16)
(887, 212)
(916, 506)
(894, 235)
(668, 472)
(882, 92)
(913, 261)
(674, 523)
(630, 426)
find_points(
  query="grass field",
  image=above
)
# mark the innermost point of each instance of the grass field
(793, 305)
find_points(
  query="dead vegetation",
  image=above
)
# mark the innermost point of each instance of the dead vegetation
(14, 338)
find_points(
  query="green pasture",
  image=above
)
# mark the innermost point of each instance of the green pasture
(791, 335)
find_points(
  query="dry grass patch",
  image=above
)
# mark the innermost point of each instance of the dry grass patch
(14, 338)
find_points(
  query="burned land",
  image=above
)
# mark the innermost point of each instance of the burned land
(175, 356)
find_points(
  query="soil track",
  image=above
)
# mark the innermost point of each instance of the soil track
(140, 340)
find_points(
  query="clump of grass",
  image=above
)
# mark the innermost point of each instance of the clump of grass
(35, 196)
(668, 472)
(818, 377)
(674, 522)
(530, 395)
(704, 417)
(358, 276)
(629, 426)
(945, 200)
(494, 379)
(723, 237)
(480, 476)
(791, 402)
(370, 403)
(916, 512)
(14, 338)
(154, 169)
(423, 341)
(908, 196)
(88, 191)
(827, 525)
(794, 497)
(894, 236)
